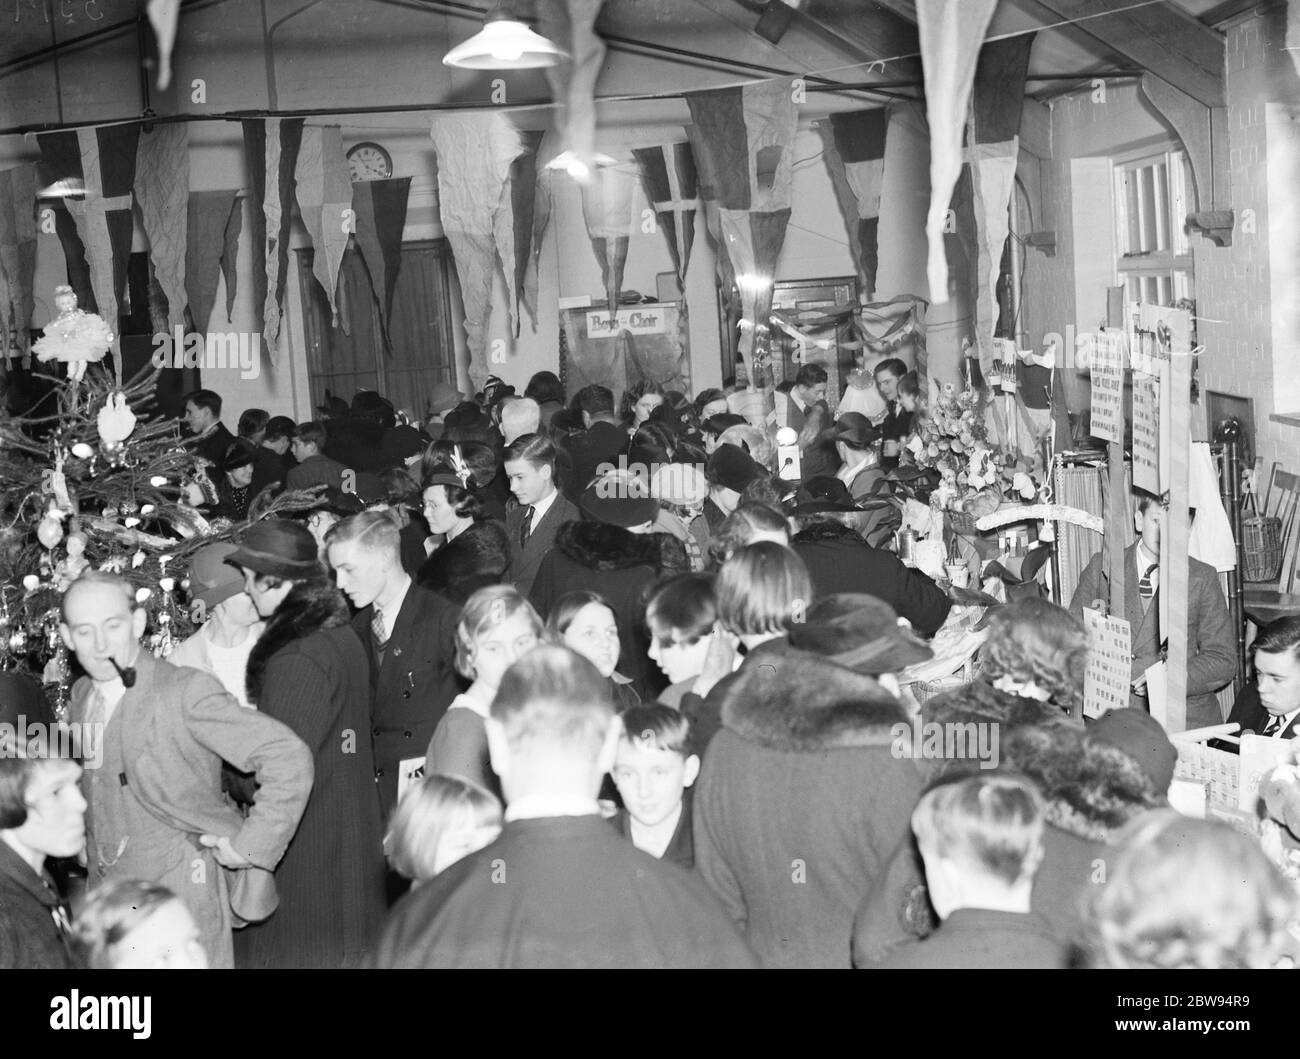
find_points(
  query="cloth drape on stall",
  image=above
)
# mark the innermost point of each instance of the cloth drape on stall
(380, 210)
(18, 254)
(951, 32)
(324, 189)
(162, 187)
(271, 151)
(854, 152)
(475, 152)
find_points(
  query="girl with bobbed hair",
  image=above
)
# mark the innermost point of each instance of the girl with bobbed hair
(440, 820)
(129, 924)
(475, 551)
(680, 617)
(1188, 893)
(586, 623)
(761, 590)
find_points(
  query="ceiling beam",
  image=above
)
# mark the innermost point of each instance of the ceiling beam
(1229, 9)
(1162, 38)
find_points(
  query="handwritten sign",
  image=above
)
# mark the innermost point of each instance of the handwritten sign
(1110, 663)
(643, 320)
(1107, 363)
(1146, 432)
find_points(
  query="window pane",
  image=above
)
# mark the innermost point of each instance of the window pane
(1161, 207)
(1147, 199)
(1179, 187)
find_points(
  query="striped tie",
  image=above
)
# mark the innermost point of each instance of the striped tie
(526, 527)
(377, 628)
(1146, 583)
(1273, 727)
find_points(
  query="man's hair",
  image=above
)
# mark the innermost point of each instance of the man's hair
(707, 397)
(209, 399)
(375, 531)
(487, 608)
(991, 824)
(545, 386)
(654, 726)
(278, 427)
(811, 375)
(1145, 500)
(521, 412)
(111, 912)
(682, 609)
(251, 420)
(537, 449)
(738, 529)
(433, 807)
(595, 400)
(91, 576)
(762, 588)
(892, 365)
(312, 433)
(555, 698)
(1279, 636)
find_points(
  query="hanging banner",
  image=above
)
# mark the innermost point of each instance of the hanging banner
(1107, 677)
(1146, 432)
(162, 189)
(1108, 387)
(324, 189)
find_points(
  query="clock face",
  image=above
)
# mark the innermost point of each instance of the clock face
(369, 161)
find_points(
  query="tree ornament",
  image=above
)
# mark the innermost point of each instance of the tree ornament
(49, 532)
(82, 451)
(74, 337)
(115, 419)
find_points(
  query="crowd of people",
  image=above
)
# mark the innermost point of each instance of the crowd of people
(536, 682)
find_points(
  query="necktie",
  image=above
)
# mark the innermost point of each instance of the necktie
(526, 527)
(97, 709)
(377, 628)
(1146, 583)
(1273, 727)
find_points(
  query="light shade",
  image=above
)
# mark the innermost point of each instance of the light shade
(505, 44)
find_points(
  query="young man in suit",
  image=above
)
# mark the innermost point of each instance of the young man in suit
(604, 438)
(1211, 645)
(156, 807)
(1271, 705)
(409, 636)
(314, 467)
(203, 418)
(896, 423)
(560, 887)
(809, 389)
(541, 510)
(982, 841)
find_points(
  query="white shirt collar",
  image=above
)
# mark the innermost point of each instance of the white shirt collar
(394, 608)
(850, 471)
(1287, 718)
(797, 403)
(535, 806)
(541, 507)
(1145, 558)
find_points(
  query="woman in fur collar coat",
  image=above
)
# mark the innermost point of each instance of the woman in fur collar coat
(801, 802)
(309, 670)
(620, 558)
(476, 551)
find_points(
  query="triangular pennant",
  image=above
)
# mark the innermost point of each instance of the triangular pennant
(162, 188)
(324, 189)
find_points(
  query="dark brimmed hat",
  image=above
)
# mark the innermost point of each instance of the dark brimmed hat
(239, 453)
(334, 407)
(278, 548)
(212, 579)
(723, 421)
(859, 632)
(733, 468)
(619, 500)
(444, 397)
(1141, 737)
(338, 502)
(855, 430)
(822, 495)
(445, 474)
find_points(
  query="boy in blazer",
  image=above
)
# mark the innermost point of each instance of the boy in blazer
(540, 511)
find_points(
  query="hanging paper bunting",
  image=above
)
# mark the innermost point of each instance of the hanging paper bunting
(673, 187)
(541, 218)
(951, 32)
(213, 221)
(607, 209)
(726, 274)
(475, 152)
(996, 107)
(271, 150)
(854, 152)
(514, 228)
(162, 187)
(380, 209)
(17, 257)
(103, 160)
(324, 188)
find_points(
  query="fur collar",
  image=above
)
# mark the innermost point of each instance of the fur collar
(599, 546)
(481, 553)
(791, 700)
(309, 607)
(825, 529)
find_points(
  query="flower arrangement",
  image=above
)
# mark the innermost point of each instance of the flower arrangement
(975, 478)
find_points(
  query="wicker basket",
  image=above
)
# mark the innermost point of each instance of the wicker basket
(961, 522)
(1261, 545)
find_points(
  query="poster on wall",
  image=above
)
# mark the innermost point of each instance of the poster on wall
(1107, 362)
(621, 348)
(1106, 679)
(1146, 432)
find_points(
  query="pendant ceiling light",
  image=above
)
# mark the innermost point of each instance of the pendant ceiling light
(505, 43)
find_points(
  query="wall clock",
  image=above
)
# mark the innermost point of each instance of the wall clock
(369, 161)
